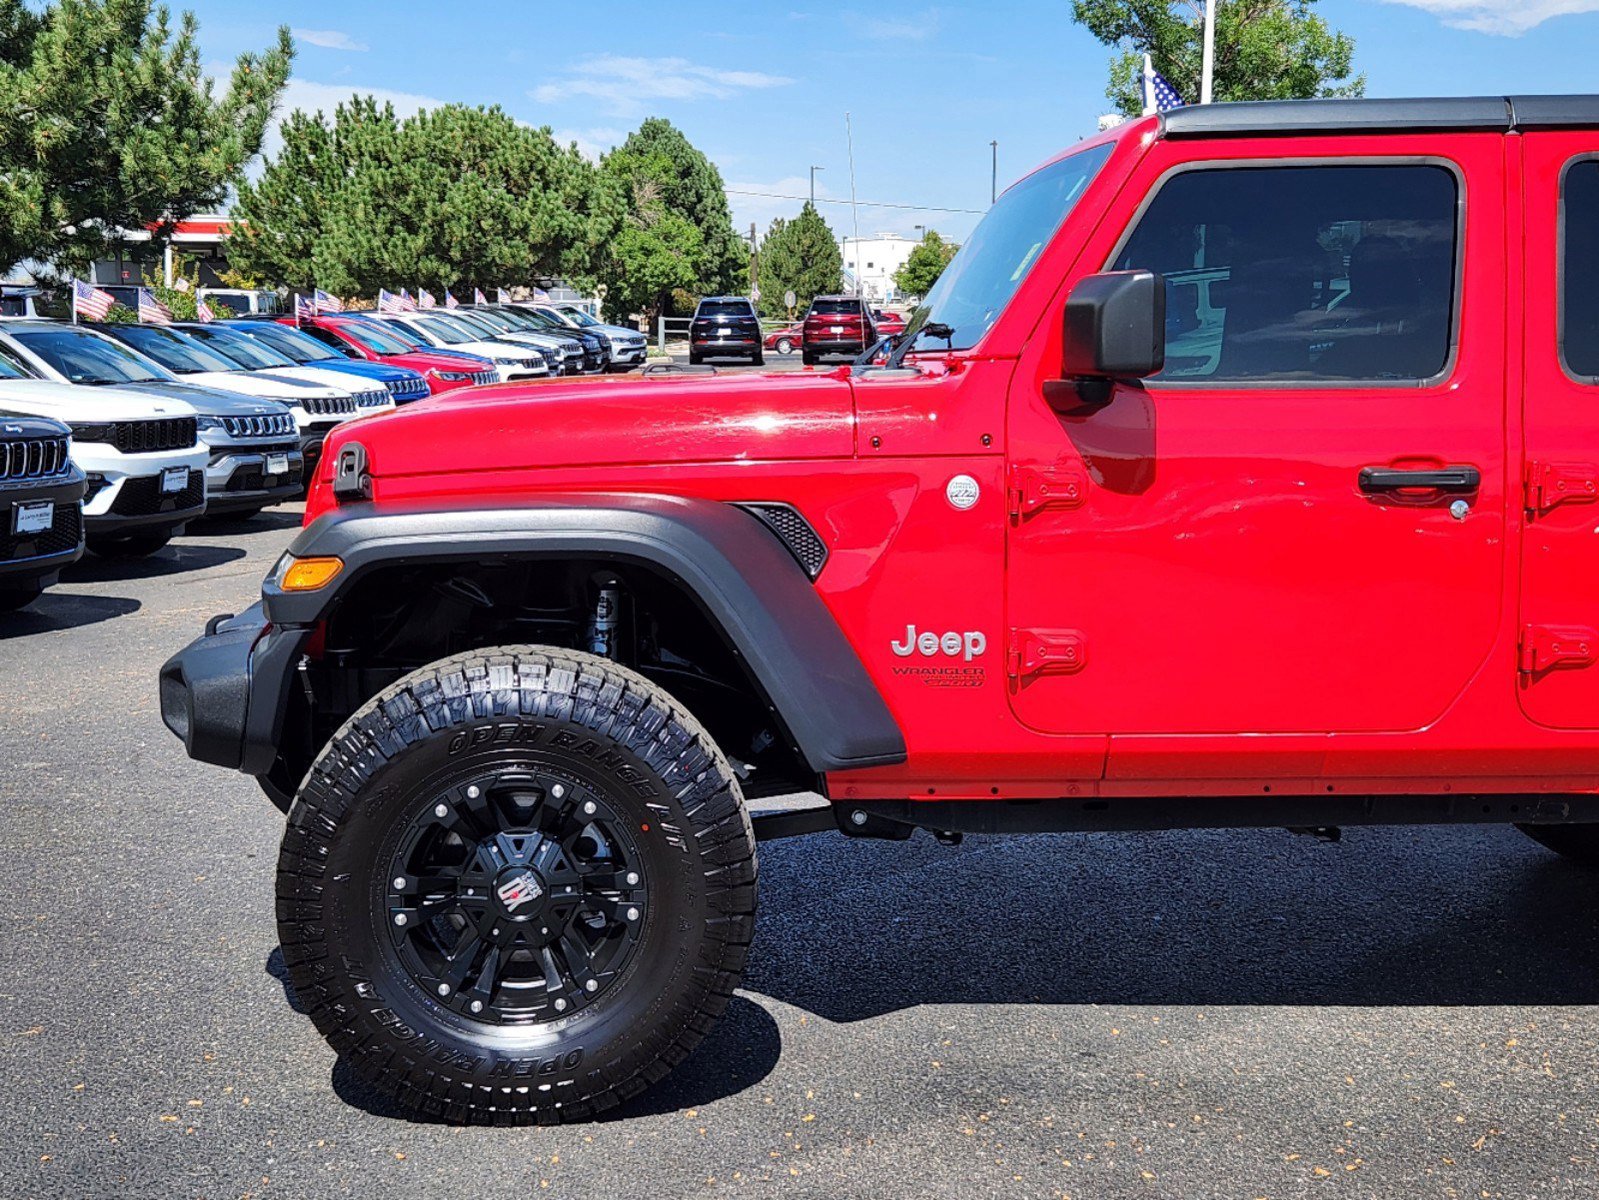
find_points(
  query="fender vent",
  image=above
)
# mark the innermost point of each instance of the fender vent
(794, 531)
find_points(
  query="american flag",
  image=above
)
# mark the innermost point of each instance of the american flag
(501, 296)
(388, 302)
(407, 304)
(424, 298)
(1159, 96)
(89, 301)
(540, 294)
(202, 311)
(304, 307)
(450, 301)
(151, 310)
(328, 303)
(478, 297)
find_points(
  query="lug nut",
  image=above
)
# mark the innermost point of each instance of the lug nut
(473, 792)
(399, 882)
(441, 810)
(589, 807)
(477, 1006)
(632, 878)
(632, 914)
(560, 1006)
(444, 989)
(558, 791)
(399, 918)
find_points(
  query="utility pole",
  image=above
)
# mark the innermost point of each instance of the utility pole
(993, 175)
(755, 265)
(1208, 63)
(855, 214)
(813, 184)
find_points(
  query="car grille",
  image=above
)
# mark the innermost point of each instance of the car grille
(482, 377)
(144, 437)
(408, 389)
(253, 480)
(333, 406)
(63, 537)
(269, 425)
(142, 497)
(372, 399)
(36, 458)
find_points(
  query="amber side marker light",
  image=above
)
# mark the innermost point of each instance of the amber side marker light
(309, 574)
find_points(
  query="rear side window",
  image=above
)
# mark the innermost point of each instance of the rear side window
(1579, 270)
(726, 308)
(1304, 273)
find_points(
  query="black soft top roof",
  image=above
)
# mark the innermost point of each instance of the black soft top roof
(1498, 114)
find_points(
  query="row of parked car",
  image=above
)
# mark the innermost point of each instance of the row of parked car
(833, 327)
(113, 437)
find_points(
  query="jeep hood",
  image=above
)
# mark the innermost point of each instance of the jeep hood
(611, 421)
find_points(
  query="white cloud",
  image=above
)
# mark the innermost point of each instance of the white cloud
(627, 86)
(913, 27)
(1507, 18)
(329, 39)
(591, 143)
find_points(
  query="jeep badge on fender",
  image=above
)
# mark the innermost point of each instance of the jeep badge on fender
(1317, 488)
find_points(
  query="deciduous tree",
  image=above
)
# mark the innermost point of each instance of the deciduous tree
(924, 264)
(1265, 49)
(108, 123)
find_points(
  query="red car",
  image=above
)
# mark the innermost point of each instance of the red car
(888, 324)
(1150, 526)
(787, 339)
(377, 342)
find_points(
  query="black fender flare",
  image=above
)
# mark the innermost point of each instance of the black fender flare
(743, 578)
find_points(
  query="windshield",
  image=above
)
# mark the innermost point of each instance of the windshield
(85, 357)
(478, 325)
(172, 350)
(378, 340)
(578, 315)
(494, 320)
(247, 353)
(12, 368)
(443, 331)
(300, 347)
(980, 280)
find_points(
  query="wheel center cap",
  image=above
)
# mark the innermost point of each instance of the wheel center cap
(518, 887)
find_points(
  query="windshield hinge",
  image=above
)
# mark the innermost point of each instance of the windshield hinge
(1033, 488)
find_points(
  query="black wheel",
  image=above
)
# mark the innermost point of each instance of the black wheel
(518, 885)
(784, 345)
(131, 545)
(807, 358)
(759, 359)
(1579, 843)
(12, 599)
(694, 360)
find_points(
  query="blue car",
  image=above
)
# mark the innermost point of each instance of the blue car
(404, 384)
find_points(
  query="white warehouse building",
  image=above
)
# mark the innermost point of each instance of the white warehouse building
(870, 263)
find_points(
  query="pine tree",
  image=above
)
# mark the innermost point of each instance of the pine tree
(108, 123)
(800, 255)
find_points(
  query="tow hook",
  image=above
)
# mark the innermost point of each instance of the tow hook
(949, 837)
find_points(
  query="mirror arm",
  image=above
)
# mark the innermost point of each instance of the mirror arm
(1082, 393)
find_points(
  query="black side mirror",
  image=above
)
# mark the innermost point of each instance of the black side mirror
(1115, 327)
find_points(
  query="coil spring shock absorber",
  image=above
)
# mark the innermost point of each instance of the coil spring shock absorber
(605, 620)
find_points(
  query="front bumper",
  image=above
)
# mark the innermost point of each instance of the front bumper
(236, 477)
(137, 502)
(224, 694)
(625, 358)
(30, 558)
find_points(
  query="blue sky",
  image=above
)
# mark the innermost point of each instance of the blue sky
(765, 92)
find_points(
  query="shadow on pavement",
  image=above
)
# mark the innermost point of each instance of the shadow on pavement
(1433, 916)
(178, 557)
(265, 522)
(58, 610)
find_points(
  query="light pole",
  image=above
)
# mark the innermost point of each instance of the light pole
(993, 176)
(813, 184)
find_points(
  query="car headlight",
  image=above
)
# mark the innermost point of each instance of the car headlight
(204, 422)
(451, 376)
(93, 433)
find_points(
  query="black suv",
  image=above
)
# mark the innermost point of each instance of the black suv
(41, 507)
(725, 327)
(836, 325)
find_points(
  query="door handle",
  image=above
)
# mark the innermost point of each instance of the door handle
(1436, 479)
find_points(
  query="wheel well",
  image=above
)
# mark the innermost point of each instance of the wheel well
(399, 618)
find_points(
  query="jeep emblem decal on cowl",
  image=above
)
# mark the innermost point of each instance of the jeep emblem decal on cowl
(962, 492)
(969, 644)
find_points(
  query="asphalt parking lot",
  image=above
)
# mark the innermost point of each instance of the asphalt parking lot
(1411, 1013)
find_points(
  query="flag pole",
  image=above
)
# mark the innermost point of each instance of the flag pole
(74, 300)
(1208, 69)
(1147, 87)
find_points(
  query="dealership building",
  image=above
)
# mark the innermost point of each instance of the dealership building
(870, 263)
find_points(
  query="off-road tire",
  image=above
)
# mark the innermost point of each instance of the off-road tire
(616, 737)
(784, 346)
(694, 360)
(132, 545)
(1579, 843)
(759, 360)
(807, 358)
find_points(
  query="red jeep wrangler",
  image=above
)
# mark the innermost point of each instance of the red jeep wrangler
(1240, 471)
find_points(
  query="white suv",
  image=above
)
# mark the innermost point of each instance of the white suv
(141, 455)
(436, 329)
